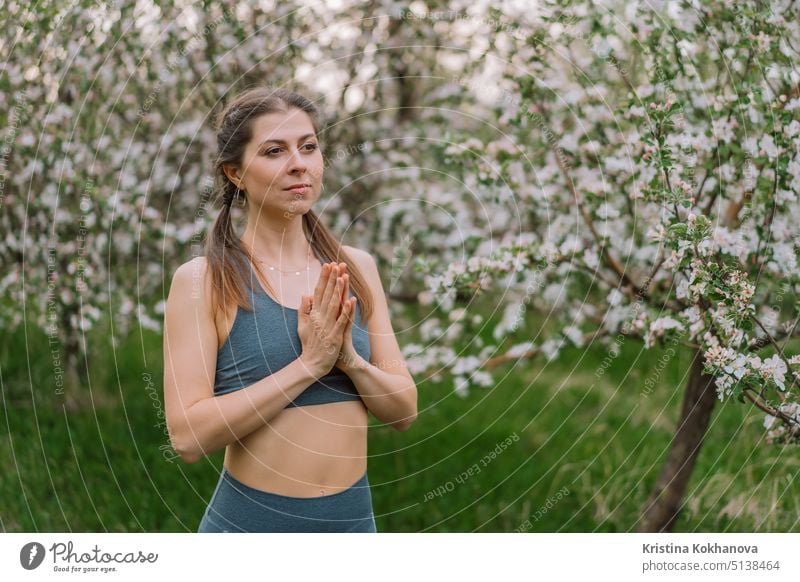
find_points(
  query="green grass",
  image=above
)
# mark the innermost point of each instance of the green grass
(597, 439)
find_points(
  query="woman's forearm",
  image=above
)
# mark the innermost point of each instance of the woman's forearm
(213, 423)
(392, 398)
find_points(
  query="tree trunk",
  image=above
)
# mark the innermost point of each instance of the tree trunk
(74, 394)
(664, 506)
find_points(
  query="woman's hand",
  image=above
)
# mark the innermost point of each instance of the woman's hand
(321, 321)
(348, 357)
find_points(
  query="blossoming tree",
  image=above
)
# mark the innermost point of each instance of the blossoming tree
(648, 154)
(629, 167)
(107, 116)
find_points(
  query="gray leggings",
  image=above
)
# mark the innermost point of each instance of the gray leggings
(236, 507)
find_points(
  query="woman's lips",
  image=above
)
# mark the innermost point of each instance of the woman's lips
(299, 189)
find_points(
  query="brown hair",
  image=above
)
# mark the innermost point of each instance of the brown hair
(227, 258)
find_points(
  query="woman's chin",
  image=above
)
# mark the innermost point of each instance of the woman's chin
(297, 207)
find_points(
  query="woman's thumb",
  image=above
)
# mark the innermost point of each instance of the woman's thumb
(305, 304)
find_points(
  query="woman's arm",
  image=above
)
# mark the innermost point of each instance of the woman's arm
(391, 397)
(198, 422)
(384, 383)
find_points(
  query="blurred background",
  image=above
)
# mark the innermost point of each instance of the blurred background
(458, 134)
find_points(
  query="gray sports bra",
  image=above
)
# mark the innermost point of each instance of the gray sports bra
(265, 340)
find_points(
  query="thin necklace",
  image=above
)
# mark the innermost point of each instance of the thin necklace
(273, 268)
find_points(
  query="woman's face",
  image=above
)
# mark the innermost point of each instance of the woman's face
(283, 151)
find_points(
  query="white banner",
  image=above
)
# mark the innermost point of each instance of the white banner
(401, 557)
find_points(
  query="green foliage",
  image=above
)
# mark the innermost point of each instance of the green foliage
(601, 439)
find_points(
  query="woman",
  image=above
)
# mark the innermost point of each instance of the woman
(278, 342)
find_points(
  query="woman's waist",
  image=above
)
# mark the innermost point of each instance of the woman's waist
(304, 450)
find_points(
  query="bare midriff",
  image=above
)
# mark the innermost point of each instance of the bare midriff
(308, 451)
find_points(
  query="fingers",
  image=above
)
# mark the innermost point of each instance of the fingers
(335, 303)
(328, 297)
(349, 306)
(331, 291)
(330, 287)
(345, 287)
(343, 318)
(322, 284)
(305, 305)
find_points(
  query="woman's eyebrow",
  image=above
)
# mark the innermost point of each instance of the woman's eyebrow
(301, 138)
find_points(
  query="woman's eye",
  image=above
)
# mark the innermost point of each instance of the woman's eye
(310, 147)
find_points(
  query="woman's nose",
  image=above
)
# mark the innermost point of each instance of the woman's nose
(296, 161)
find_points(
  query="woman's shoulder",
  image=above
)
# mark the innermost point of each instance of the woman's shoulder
(366, 264)
(361, 257)
(190, 281)
(196, 267)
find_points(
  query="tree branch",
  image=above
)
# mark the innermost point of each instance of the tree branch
(778, 350)
(768, 409)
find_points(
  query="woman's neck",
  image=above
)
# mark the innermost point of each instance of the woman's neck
(285, 245)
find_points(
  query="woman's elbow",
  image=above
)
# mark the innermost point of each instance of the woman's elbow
(404, 424)
(189, 457)
(186, 447)
(411, 413)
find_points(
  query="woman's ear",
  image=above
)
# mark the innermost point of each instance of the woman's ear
(233, 175)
